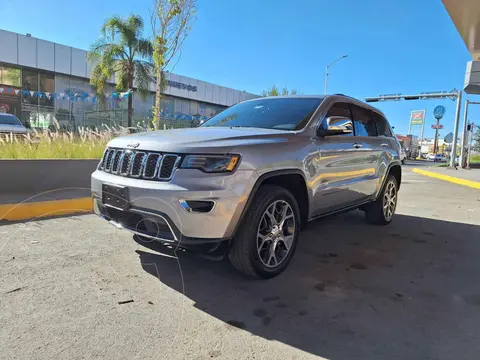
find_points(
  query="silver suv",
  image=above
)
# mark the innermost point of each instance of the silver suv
(246, 181)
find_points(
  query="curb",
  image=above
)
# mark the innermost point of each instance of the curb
(32, 210)
(455, 180)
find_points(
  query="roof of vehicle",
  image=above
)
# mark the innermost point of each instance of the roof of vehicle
(1, 113)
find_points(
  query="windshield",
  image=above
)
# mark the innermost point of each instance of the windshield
(9, 120)
(273, 113)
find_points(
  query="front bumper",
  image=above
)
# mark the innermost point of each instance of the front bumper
(159, 202)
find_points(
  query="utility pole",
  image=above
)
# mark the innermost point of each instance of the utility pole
(463, 142)
(435, 142)
(470, 133)
(327, 73)
(455, 130)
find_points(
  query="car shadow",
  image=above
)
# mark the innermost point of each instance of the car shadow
(405, 291)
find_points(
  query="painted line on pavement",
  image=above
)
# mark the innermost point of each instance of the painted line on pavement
(455, 180)
(31, 210)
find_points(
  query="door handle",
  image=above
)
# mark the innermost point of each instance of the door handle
(357, 145)
(384, 145)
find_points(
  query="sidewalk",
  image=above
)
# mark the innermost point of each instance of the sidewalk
(472, 175)
(17, 207)
(470, 178)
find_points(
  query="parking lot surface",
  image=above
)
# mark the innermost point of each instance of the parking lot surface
(76, 288)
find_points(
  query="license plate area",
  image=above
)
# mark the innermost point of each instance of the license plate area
(115, 196)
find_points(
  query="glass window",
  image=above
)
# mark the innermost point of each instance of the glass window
(167, 106)
(47, 86)
(9, 76)
(30, 83)
(363, 121)
(268, 113)
(383, 128)
(9, 120)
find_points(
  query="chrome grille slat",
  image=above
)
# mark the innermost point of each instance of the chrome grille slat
(116, 161)
(139, 164)
(142, 161)
(108, 160)
(126, 162)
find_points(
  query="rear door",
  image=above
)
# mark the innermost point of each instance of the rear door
(369, 151)
(387, 145)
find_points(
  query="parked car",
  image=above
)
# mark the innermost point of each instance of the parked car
(245, 182)
(403, 155)
(10, 124)
(437, 157)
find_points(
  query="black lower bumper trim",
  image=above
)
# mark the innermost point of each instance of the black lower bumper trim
(153, 225)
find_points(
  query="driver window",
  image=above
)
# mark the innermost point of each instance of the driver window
(338, 109)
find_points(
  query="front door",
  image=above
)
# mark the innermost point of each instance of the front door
(336, 167)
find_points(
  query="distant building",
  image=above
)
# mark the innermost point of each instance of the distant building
(41, 81)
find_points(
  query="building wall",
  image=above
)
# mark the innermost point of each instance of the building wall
(35, 53)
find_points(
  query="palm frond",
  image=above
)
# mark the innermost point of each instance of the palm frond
(143, 78)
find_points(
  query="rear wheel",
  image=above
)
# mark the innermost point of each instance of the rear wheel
(382, 210)
(266, 239)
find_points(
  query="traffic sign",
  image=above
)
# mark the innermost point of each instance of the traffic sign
(439, 111)
(437, 126)
(448, 138)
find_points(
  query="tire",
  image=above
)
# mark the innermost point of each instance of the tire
(244, 254)
(374, 212)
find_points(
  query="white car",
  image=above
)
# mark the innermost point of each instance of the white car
(403, 155)
(437, 157)
(10, 124)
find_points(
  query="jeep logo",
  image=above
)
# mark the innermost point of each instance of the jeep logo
(133, 145)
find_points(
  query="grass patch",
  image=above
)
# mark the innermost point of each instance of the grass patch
(84, 144)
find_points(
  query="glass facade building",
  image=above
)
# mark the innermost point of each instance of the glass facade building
(44, 84)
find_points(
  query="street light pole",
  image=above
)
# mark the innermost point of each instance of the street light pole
(455, 130)
(327, 73)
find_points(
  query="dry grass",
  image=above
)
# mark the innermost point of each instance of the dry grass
(83, 144)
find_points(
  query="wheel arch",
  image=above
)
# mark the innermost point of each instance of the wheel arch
(291, 179)
(394, 169)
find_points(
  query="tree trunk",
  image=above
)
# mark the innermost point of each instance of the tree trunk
(158, 96)
(130, 102)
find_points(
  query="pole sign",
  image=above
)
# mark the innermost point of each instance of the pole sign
(437, 126)
(439, 111)
(417, 117)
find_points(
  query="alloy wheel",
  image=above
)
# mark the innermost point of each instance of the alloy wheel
(389, 200)
(275, 233)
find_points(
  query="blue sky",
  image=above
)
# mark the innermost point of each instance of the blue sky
(393, 46)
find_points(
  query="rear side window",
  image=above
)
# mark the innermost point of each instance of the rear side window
(363, 121)
(382, 125)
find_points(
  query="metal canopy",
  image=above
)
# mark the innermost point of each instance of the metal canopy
(465, 14)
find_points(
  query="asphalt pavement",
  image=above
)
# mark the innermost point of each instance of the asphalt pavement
(76, 288)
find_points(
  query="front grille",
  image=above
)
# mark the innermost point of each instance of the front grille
(142, 224)
(139, 164)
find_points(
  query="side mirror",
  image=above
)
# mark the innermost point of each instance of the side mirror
(336, 125)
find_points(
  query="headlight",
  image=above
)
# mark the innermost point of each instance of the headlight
(211, 163)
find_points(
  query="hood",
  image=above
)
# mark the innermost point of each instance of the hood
(217, 140)
(12, 129)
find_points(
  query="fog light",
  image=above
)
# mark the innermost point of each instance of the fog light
(199, 206)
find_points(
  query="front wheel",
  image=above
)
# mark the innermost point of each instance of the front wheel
(267, 237)
(382, 210)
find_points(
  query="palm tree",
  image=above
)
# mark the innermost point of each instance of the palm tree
(122, 51)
